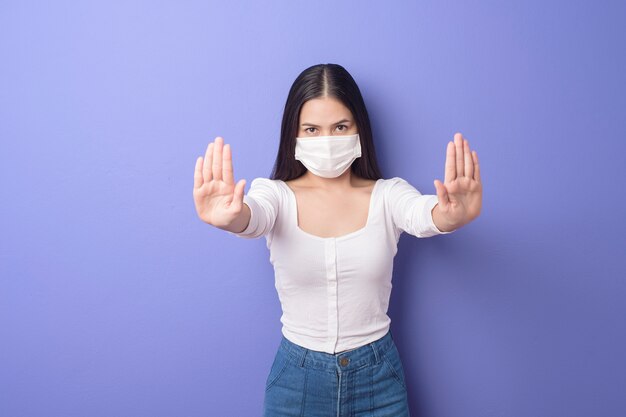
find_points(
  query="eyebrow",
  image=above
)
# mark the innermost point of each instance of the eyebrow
(340, 121)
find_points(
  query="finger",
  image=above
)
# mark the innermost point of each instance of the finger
(469, 163)
(208, 160)
(238, 194)
(476, 166)
(458, 145)
(217, 158)
(227, 165)
(442, 193)
(450, 172)
(197, 174)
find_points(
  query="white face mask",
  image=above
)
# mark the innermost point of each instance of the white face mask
(328, 156)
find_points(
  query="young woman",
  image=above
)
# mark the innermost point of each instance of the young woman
(332, 225)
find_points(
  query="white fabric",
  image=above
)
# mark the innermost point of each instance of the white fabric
(328, 156)
(334, 292)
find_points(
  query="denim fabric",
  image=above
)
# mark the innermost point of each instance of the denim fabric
(366, 381)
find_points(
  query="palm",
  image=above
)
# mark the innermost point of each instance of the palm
(215, 195)
(460, 195)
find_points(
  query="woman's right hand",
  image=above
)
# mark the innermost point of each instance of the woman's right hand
(218, 199)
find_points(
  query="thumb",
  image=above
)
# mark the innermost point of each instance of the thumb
(442, 193)
(238, 194)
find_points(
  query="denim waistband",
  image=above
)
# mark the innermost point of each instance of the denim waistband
(368, 354)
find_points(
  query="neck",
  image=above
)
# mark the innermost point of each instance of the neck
(341, 182)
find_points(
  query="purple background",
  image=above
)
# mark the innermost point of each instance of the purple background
(116, 300)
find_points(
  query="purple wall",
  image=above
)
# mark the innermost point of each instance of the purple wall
(116, 300)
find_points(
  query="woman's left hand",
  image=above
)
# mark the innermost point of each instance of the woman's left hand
(460, 195)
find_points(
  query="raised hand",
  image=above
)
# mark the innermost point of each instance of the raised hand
(460, 195)
(217, 198)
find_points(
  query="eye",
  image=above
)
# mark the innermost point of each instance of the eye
(307, 129)
(345, 127)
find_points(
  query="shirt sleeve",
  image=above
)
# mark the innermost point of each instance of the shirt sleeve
(411, 210)
(263, 200)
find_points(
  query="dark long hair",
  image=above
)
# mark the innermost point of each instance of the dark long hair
(319, 81)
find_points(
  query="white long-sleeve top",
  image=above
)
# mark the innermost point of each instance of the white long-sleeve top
(334, 291)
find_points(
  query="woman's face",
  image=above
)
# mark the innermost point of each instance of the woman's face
(325, 116)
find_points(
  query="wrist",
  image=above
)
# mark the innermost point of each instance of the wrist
(441, 221)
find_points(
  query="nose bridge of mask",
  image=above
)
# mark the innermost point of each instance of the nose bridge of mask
(329, 146)
(328, 150)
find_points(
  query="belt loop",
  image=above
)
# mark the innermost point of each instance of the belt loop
(305, 351)
(375, 349)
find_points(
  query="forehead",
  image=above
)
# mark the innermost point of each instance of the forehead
(323, 110)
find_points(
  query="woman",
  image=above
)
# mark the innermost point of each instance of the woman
(332, 225)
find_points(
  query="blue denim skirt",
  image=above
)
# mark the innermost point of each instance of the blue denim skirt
(366, 381)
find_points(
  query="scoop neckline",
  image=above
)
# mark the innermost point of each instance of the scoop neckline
(294, 217)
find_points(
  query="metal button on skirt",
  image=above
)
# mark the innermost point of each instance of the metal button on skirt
(366, 381)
